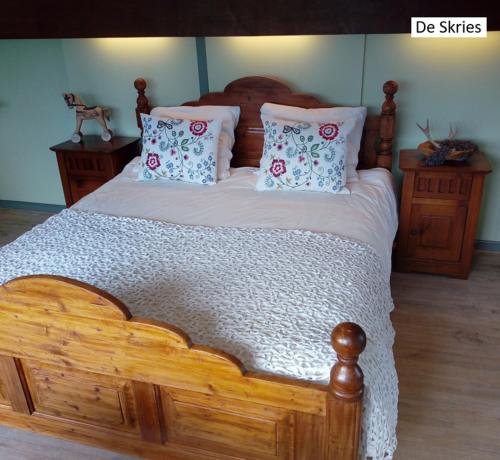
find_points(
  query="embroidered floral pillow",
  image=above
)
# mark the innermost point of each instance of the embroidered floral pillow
(175, 149)
(304, 156)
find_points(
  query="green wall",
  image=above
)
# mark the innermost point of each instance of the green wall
(102, 71)
(32, 77)
(445, 80)
(329, 66)
(449, 81)
(33, 116)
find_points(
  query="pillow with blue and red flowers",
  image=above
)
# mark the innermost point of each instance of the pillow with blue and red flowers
(304, 156)
(175, 149)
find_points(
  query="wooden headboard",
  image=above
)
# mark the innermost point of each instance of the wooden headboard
(249, 93)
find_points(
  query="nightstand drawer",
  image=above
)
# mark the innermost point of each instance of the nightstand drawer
(82, 186)
(453, 186)
(86, 165)
(436, 232)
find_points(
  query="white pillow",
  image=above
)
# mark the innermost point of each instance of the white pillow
(304, 156)
(286, 112)
(176, 149)
(228, 116)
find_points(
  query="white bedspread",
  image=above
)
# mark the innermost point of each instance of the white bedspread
(368, 214)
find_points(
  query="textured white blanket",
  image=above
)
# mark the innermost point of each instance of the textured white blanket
(270, 297)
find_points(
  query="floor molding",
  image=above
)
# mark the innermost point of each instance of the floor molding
(485, 245)
(482, 245)
(41, 207)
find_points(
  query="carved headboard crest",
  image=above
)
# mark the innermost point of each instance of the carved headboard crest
(249, 93)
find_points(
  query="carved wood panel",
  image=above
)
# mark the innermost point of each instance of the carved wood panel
(436, 232)
(87, 165)
(4, 400)
(80, 396)
(226, 426)
(13, 388)
(444, 186)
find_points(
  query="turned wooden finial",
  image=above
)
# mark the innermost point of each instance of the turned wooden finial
(387, 115)
(140, 85)
(142, 105)
(346, 382)
(390, 88)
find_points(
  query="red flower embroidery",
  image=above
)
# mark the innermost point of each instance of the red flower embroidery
(153, 161)
(277, 168)
(198, 127)
(329, 131)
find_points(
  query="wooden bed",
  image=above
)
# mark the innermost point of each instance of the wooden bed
(75, 364)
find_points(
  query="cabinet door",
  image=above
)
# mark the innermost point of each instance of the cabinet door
(436, 232)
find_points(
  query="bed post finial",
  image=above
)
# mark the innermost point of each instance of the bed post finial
(142, 105)
(348, 340)
(387, 116)
(344, 403)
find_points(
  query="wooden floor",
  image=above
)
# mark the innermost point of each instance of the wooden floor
(447, 355)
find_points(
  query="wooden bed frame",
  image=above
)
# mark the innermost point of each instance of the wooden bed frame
(75, 364)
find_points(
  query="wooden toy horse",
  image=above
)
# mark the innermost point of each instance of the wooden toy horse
(88, 113)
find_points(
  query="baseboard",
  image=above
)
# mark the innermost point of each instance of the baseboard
(41, 207)
(482, 245)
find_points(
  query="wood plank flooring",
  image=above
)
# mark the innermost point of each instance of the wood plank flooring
(447, 356)
(448, 360)
(14, 222)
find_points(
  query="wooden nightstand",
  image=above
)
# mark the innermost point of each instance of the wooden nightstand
(86, 166)
(439, 212)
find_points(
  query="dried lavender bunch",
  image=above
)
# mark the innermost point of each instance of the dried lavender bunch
(445, 147)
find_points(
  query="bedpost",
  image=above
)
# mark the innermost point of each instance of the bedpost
(345, 399)
(387, 116)
(142, 105)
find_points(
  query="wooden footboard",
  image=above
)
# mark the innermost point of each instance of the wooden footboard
(75, 364)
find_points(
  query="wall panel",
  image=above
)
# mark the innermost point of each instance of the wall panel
(449, 81)
(328, 66)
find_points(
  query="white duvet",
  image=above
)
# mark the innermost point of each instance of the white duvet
(367, 214)
(270, 295)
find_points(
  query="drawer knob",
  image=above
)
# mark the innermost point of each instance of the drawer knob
(414, 232)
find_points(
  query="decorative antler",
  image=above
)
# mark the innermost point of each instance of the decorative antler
(427, 132)
(453, 132)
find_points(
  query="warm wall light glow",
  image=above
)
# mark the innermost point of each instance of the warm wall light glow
(132, 45)
(276, 43)
(439, 51)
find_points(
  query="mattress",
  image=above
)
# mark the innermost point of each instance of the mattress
(368, 214)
